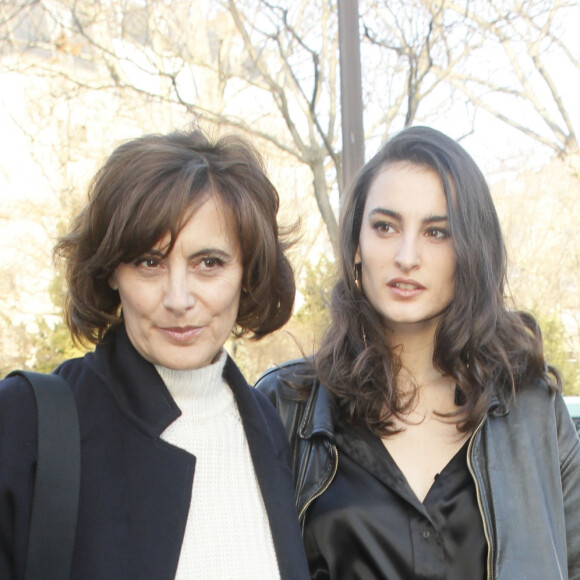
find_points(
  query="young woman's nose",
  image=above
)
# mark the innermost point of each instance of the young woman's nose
(407, 257)
(179, 295)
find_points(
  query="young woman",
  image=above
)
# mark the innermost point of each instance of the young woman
(184, 468)
(429, 437)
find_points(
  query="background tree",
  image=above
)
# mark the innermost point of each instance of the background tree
(85, 74)
(525, 58)
(270, 68)
(559, 351)
(540, 215)
(302, 335)
(411, 48)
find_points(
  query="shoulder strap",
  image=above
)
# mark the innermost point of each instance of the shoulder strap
(56, 490)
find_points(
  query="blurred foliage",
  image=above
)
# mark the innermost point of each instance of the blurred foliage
(42, 345)
(15, 342)
(54, 342)
(54, 345)
(301, 336)
(314, 313)
(557, 351)
(39, 347)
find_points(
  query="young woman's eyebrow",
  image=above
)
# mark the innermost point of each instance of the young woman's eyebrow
(386, 212)
(435, 218)
(396, 215)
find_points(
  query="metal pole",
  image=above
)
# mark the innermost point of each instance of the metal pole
(350, 90)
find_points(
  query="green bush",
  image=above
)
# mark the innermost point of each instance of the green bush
(559, 351)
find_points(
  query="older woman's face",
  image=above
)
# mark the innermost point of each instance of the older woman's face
(179, 309)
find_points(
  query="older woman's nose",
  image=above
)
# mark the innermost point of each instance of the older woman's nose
(179, 295)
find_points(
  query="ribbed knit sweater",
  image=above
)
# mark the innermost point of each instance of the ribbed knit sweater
(227, 534)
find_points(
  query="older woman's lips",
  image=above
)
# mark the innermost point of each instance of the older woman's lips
(181, 333)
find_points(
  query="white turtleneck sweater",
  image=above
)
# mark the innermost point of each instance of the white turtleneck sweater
(227, 534)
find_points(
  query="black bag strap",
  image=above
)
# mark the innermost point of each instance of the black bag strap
(56, 490)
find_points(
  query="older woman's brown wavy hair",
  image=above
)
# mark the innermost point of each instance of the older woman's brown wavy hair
(487, 348)
(148, 188)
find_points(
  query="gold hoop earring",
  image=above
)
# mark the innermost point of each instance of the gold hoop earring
(357, 276)
(358, 284)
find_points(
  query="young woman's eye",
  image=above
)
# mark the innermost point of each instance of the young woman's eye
(437, 233)
(383, 228)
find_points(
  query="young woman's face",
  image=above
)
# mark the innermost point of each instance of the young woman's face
(407, 255)
(179, 309)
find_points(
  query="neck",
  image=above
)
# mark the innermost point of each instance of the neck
(415, 348)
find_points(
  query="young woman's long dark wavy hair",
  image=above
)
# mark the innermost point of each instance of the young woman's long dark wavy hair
(487, 348)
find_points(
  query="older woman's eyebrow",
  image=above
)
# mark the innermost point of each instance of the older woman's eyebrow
(396, 215)
(218, 252)
(155, 253)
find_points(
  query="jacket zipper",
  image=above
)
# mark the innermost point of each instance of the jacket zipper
(489, 575)
(324, 487)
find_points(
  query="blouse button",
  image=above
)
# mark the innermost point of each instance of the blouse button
(426, 534)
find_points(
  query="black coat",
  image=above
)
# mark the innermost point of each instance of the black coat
(524, 459)
(135, 488)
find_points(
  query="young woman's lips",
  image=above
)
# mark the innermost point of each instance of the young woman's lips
(405, 288)
(181, 334)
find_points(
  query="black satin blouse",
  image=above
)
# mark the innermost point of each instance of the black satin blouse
(369, 525)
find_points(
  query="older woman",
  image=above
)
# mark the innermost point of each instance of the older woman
(185, 468)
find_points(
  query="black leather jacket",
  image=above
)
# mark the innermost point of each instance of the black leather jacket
(525, 461)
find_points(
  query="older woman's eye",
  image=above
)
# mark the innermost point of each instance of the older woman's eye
(147, 263)
(211, 262)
